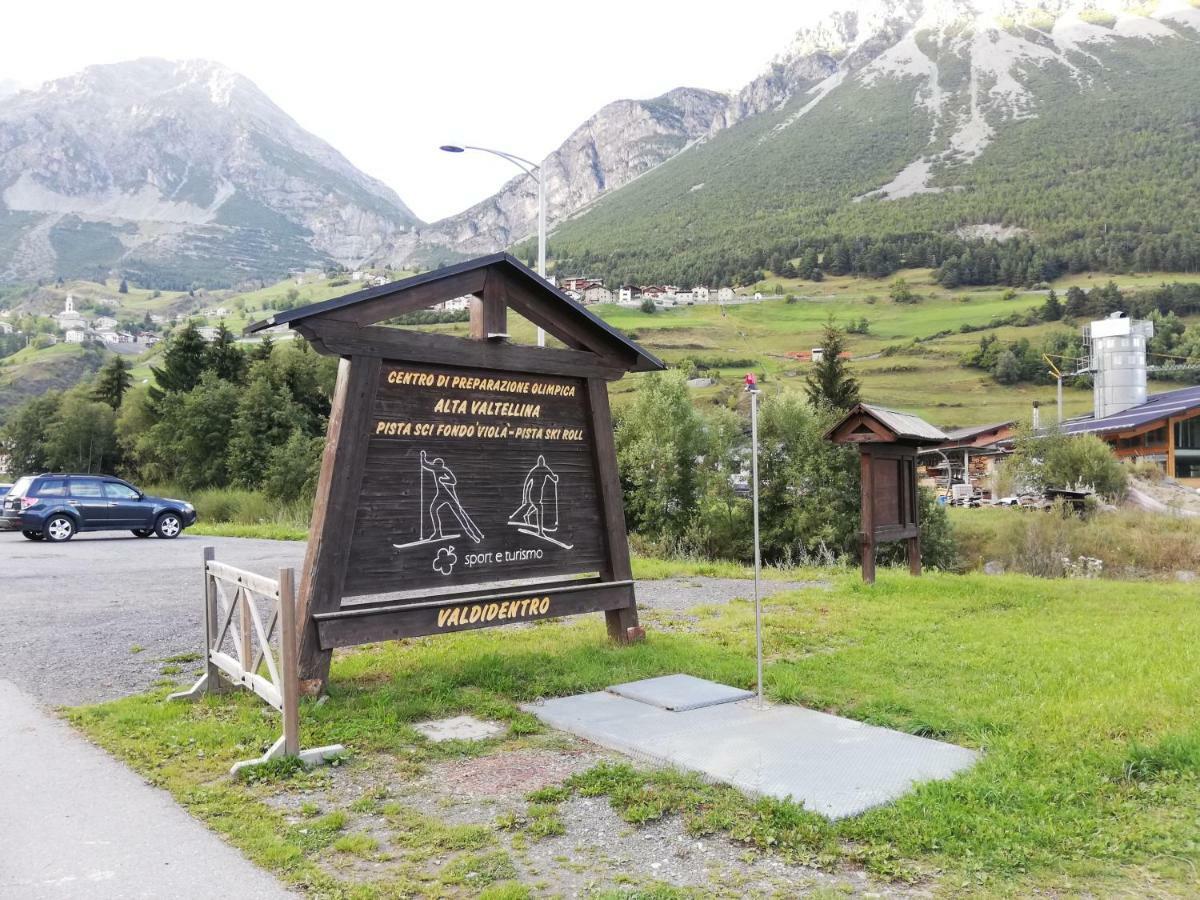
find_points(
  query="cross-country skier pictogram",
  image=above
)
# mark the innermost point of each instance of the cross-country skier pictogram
(538, 513)
(440, 506)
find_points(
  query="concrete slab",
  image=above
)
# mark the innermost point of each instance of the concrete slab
(459, 728)
(75, 823)
(679, 692)
(834, 766)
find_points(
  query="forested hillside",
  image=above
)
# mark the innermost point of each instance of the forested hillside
(1085, 156)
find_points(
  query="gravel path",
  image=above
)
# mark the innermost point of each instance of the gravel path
(102, 615)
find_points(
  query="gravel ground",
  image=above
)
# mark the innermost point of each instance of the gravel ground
(100, 616)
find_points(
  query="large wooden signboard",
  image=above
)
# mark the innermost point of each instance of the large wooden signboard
(466, 483)
(888, 442)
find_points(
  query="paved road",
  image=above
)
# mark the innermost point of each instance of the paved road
(74, 612)
(76, 823)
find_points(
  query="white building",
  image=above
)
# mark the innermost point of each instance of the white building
(625, 294)
(456, 304)
(724, 295)
(700, 294)
(104, 322)
(378, 281)
(208, 332)
(597, 293)
(758, 295)
(683, 296)
(6, 328)
(75, 336)
(109, 336)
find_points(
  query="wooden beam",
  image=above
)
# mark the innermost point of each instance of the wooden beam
(324, 571)
(423, 296)
(489, 311)
(622, 623)
(340, 339)
(867, 502)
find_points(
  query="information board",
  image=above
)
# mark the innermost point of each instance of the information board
(474, 476)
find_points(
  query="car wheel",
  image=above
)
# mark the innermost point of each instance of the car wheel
(168, 526)
(143, 532)
(59, 528)
(33, 535)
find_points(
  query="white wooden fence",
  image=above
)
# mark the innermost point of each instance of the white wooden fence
(251, 639)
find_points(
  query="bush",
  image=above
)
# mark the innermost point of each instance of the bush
(1053, 459)
(648, 306)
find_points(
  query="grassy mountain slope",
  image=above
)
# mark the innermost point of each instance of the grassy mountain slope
(1107, 158)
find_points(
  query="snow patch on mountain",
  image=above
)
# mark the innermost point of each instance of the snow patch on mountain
(820, 92)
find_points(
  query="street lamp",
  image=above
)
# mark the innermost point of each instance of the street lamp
(534, 171)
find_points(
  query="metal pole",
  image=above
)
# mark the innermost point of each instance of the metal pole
(1060, 411)
(541, 182)
(757, 558)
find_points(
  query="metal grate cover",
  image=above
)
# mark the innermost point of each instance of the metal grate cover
(679, 693)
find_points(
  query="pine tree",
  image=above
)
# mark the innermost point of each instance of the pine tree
(1077, 303)
(124, 288)
(112, 382)
(263, 350)
(1052, 310)
(830, 385)
(225, 358)
(183, 364)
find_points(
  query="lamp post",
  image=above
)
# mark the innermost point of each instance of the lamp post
(752, 390)
(534, 171)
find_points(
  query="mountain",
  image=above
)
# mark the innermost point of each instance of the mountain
(902, 132)
(622, 141)
(176, 173)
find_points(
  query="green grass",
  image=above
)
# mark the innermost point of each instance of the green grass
(1080, 694)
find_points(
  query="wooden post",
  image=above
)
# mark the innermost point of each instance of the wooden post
(622, 623)
(246, 650)
(914, 543)
(324, 571)
(867, 473)
(288, 651)
(213, 683)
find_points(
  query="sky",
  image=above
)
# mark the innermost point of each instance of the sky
(388, 83)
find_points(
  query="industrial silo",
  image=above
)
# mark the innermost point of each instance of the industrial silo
(1118, 359)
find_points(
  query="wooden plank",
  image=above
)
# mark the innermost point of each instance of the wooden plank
(325, 561)
(621, 623)
(264, 640)
(867, 470)
(260, 584)
(489, 312)
(483, 591)
(350, 627)
(289, 681)
(246, 649)
(409, 300)
(213, 683)
(545, 310)
(339, 339)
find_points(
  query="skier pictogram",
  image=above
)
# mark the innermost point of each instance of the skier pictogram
(538, 513)
(440, 506)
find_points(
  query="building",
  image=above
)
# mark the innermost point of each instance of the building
(6, 328)
(580, 284)
(626, 293)
(700, 294)
(75, 336)
(456, 304)
(1164, 430)
(109, 336)
(724, 295)
(597, 293)
(103, 322)
(208, 332)
(968, 455)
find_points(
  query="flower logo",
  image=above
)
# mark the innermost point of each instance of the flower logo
(445, 561)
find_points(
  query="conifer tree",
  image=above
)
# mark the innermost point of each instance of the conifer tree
(225, 358)
(183, 363)
(830, 385)
(112, 382)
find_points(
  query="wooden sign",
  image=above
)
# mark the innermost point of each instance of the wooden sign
(888, 442)
(466, 483)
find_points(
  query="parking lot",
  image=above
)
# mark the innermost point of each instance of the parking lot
(96, 617)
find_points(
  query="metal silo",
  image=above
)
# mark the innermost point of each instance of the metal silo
(1117, 348)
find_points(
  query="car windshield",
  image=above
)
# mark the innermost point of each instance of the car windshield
(21, 486)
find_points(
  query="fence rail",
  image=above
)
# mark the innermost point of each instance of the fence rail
(251, 639)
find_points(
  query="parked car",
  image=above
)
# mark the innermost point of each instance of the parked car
(54, 507)
(4, 489)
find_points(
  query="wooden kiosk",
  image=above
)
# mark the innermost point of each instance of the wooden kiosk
(465, 482)
(888, 442)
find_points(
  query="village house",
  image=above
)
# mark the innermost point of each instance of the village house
(455, 304)
(597, 293)
(580, 284)
(724, 295)
(6, 328)
(104, 322)
(75, 336)
(625, 293)
(700, 294)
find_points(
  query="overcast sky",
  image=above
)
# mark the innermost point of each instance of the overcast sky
(387, 83)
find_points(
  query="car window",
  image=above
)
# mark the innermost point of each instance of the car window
(52, 487)
(22, 485)
(114, 490)
(86, 487)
